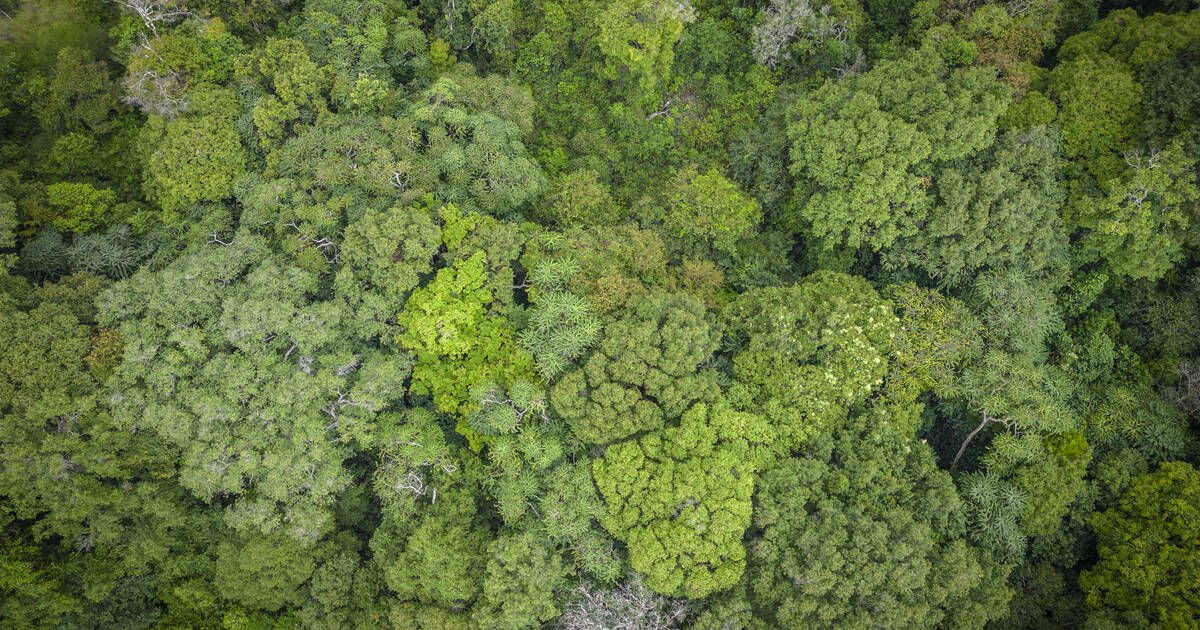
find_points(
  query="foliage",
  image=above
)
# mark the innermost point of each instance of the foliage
(707, 215)
(579, 199)
(899, 120)
(937, 337)
(467, 314)
(434, 549)
(814, 40)
(1142, 221)
(680, 498)
(637, 38)
(648, 368)
(1148, 549)
(614, 264)
(467, 132)
(523, 574)
(194, 158)
(810, 352)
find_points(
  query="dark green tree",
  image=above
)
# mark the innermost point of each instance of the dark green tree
(864, 150)
(864, 531)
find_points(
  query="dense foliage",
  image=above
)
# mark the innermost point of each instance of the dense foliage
(599, 314)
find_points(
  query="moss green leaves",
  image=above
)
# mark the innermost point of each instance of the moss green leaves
(680, 498)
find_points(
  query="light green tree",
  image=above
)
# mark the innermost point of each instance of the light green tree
(680, 498)
(1140, 224)
(807, 353)
(637, 38)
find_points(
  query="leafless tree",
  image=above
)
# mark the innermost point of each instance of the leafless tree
(785, 21)
(159, 93)
(629, 605)
(155, 12)
(1186, 393)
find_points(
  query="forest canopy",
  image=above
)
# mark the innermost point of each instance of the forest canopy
(599, 314)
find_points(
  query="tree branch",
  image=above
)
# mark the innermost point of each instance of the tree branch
(970, 437)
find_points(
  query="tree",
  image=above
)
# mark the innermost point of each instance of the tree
(561, 324)
(680, 498)
(1097, 83)
(865, 531)
(615, 264)
(466, 133)
(523, 574)
(432, 545)
(197, 157)
(33, 596)
(347, 589)
(649, 367)
(540, 481)
(795, 35)
(456, 344)
(389, 250)
(579, 199)
(938, 336)
(1142, 222)
(1018, 311)
(1149, 551)
(264, 573)
(637, 38)
(808, 353)
(708, 215)
(1002, 209)
(627, 606)
(1098, 71)
(1033, 467)
(83, 206)
(79, 96)
(164, 66)
(229, 357)
(863, 149)
(349, 42)
(294, 88)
